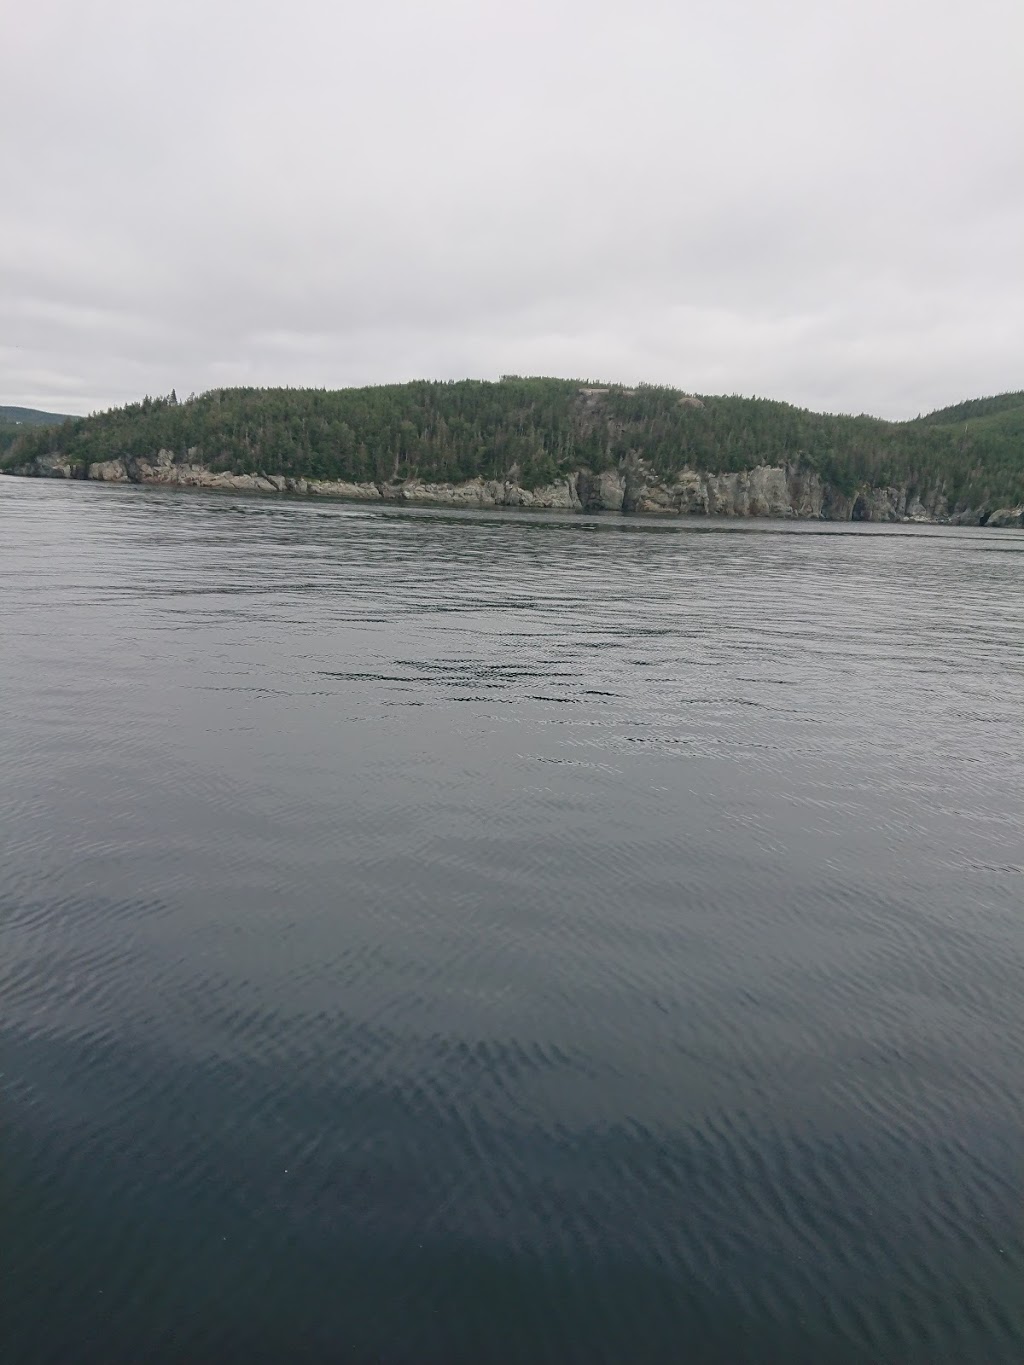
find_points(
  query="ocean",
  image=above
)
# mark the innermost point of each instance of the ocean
(443, 938)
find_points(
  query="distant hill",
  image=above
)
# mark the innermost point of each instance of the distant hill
(29, 417)
(974, 408)
(536, 430)
(14, 422)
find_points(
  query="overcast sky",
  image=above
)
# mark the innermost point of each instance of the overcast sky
(817, 200)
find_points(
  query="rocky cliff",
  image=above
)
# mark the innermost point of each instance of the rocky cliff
(764, 491)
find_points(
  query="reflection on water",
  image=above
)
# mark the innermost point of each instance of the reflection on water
(436, 937)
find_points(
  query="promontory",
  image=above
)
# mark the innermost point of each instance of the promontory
(552, 443)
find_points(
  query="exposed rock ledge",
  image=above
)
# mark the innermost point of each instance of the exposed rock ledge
(765, 491)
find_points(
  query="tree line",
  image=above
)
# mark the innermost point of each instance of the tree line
(539, 429)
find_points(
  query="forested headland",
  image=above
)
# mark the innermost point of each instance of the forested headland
(538, 430)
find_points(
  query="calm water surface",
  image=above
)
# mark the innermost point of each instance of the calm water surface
(436, 938)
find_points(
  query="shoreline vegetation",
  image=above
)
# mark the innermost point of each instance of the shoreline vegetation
(551, 443)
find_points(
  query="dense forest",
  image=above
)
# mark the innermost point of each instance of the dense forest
(541, 429)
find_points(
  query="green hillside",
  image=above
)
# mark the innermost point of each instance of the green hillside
(13, 422)
(543, 428)
(30, 417)
(973, 408)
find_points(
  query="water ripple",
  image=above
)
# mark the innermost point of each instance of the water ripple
(447, 937)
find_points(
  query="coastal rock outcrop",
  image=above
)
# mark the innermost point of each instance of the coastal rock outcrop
(765, 491)
(334, 488)
(109, 471)
(786, 491)
(50, 467)
(484, 493)
(604, 492)
(897, 504)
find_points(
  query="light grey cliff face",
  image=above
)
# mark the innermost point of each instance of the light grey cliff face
(898, 504)
(109, 471)
(49, 467)
(162, 468)
(764, 491)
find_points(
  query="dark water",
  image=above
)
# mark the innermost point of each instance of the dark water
(448, 938)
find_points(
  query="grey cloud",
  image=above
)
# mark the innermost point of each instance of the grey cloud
(818, 202)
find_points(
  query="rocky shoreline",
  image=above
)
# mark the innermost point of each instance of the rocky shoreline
(764, 491)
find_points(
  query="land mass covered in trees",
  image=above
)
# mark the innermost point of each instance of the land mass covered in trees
(13, 422)
(536, 431)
